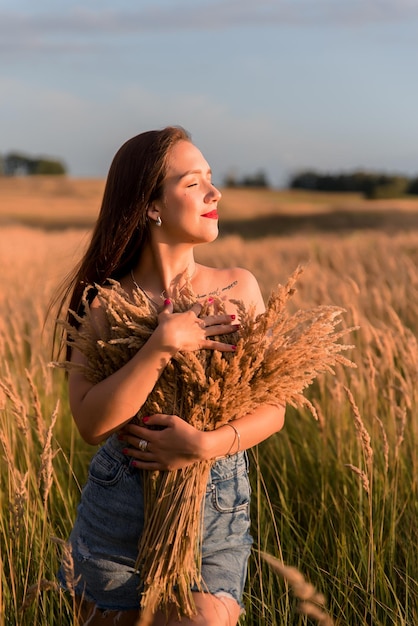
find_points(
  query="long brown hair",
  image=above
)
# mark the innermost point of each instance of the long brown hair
(134, 181)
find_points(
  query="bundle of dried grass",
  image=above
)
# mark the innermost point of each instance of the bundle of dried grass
(278, 355)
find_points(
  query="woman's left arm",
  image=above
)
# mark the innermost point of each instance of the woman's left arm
(246, 432)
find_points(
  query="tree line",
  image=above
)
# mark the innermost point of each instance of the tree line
(258, 179)
(20, 164)
(372, 185)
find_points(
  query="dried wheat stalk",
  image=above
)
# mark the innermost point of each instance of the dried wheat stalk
(278, 355)
(311, 603)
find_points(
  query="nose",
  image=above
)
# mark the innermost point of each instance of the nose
(213, 195)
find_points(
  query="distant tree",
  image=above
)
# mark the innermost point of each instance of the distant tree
(230, 179)
(385, 186)
(310, 179)
(413, 186)
(259, 179)
(307, 179)
(20, 164)
(371, 184)
(50, 167)
(17, 164)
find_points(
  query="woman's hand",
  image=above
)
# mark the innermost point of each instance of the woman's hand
(188, 332)
(165, 442)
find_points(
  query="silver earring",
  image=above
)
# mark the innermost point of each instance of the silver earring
(158, 221)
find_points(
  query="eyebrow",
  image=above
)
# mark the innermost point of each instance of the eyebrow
(189, 172)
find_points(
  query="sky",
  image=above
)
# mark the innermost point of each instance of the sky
(271, 85)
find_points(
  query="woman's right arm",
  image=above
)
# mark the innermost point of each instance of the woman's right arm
(101, 409)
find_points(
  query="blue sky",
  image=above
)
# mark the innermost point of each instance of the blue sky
(277, 85)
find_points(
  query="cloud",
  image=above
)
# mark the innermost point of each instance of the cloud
(45, 30)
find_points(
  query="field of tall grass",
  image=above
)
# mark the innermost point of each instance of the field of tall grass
(335, 499)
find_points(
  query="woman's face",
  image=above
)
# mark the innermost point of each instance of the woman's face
(188, 208)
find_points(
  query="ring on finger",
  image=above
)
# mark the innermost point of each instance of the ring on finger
(143, 445)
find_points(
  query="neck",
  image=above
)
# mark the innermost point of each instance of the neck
(161, 267)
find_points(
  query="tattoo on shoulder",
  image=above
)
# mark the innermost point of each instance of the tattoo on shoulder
(228, 287)
(218, 290)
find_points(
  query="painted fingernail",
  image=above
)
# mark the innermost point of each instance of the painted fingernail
(234, 348)
(134, 463)
(145, 419)
(125, 450)
(236, 326)
(210, 300)
(232, 317)
(120, 437)
(167, 302)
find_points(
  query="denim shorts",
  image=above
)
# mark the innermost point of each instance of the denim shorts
(110, 519)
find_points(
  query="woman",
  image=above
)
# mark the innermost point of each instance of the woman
(159, 203)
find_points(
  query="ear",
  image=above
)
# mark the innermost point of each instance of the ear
(153, 211)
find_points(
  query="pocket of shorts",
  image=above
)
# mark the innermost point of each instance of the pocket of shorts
(104, 469)
(232, 494)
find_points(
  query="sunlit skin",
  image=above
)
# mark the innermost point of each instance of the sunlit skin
(188, 210)
(188, 197)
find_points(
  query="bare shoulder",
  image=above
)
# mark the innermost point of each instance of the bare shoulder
(247, 288)
(234, 283)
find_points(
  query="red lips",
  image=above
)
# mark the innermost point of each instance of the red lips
(213, 215)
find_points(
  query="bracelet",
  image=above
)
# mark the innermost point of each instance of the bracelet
(236, 437)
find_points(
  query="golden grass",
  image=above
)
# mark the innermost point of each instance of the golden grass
(49, 200)
(335, 498)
